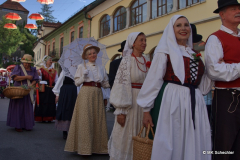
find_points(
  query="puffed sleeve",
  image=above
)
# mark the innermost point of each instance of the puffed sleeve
(121, 93)
(56, 78)
(105, 82)
(153, 82)
(58, 85)
(106, 93)
(206, 84)
(16, 71)
(79, 77)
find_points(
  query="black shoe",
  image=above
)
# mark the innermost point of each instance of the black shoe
(65, 134)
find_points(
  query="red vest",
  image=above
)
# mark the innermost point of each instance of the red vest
(170, 76)
(231, 54)
(49, 75)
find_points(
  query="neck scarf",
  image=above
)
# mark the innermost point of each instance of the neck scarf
(128, 48)
(168, 45)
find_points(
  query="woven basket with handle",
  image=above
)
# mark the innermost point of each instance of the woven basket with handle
(142, 146)
(15, 92)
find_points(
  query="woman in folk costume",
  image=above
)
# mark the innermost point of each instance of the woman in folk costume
(66, 95)
(88, 128)
(20, 111)
(128, 115)
(175, 85)
(46, 111)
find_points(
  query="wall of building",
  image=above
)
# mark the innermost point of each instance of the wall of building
(201, 14)
(65, 31)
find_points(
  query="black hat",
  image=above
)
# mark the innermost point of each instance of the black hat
(225, 3)
(122, 46)
(196, 37)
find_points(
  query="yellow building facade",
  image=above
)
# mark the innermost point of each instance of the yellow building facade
(150, 17)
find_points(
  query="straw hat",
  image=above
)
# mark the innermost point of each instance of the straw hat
(89, 46)
(27, 58)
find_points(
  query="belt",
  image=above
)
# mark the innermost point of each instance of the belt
(192, 93)
(137, 85)
(94, 84)
(50, 86)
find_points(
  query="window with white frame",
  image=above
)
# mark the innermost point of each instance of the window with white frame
(161, 7)
(105, 26)
(185, 3)
(120, 19)
(138, 12)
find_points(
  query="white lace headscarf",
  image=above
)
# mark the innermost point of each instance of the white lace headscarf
(168, 44)
(44, 60)
(128, 48)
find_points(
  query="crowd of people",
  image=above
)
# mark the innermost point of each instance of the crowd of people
(167, 94)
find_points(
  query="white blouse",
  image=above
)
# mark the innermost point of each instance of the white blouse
(96, 73)
(156, 74)
(213, 52)
(58, 85)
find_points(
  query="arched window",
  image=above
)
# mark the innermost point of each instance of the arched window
(160, 7)
(120, 19)
(138, 12)
(185, 3)
(105, 26)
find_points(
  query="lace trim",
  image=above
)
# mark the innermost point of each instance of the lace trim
(123, 73)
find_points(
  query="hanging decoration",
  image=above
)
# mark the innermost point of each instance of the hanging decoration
(46, 1)
(36, 16)
(13, 16)
(10, 26)
(30, 26)
(18, 1)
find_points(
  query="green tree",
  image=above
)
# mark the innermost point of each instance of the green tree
(48, 17)
(47, 13)
(9, 38)
(28, 40)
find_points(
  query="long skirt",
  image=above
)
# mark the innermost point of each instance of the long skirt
(175, 137)
(20, 113)
(88, 129)
(120, 145)
(66, 103)
(46, 111)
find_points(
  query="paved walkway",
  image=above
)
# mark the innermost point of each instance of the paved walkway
(44, 142)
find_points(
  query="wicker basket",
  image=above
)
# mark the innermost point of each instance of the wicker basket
(15, 92)
(142, 147)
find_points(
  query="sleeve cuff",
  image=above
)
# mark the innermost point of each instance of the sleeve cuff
(238, 68)
(119, 111)
(147, 109)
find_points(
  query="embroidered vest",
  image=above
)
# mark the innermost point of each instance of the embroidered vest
(231, 54)
(48, 75)
(170, 76)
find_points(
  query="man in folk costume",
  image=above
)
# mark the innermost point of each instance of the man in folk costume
(114, 66)
(224, 45)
